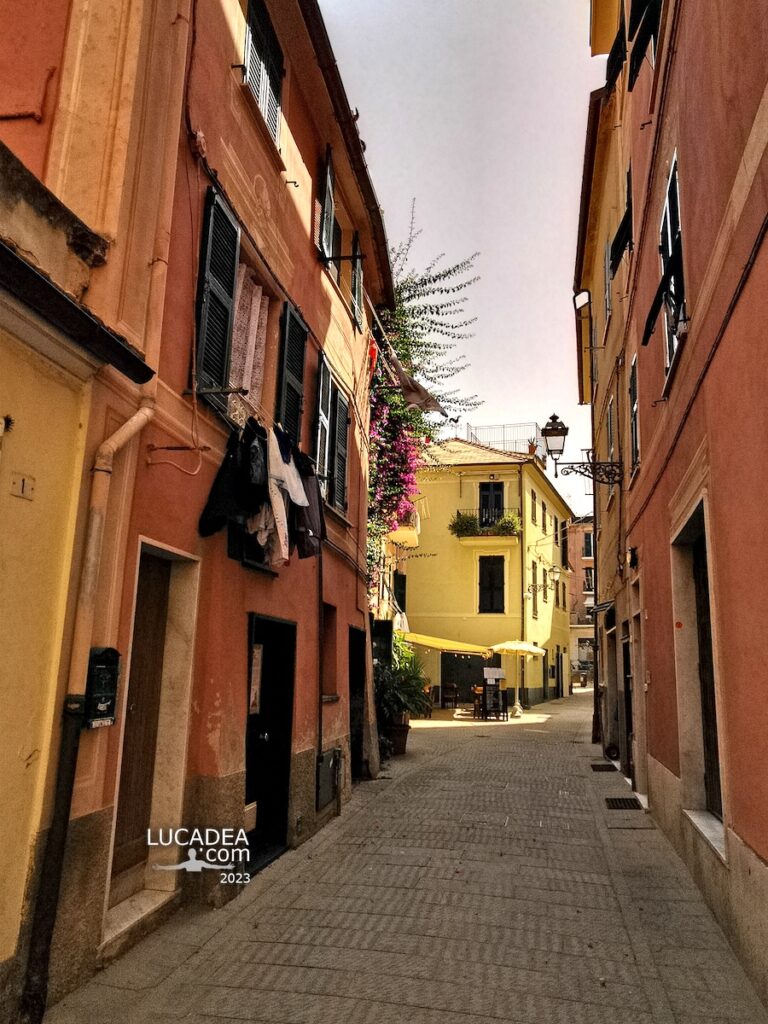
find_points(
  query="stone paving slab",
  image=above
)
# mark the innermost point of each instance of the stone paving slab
(481, 879)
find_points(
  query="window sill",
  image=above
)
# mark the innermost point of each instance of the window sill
(337, 516)
(711, 829)
(272, 149)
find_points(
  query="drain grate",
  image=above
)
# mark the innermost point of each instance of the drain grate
(603, 766)
(623, 803)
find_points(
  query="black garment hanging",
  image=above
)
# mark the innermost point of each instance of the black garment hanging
(307, 524)
(285, 444)
(240, 488)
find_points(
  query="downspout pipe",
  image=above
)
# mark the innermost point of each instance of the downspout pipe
(35, 994)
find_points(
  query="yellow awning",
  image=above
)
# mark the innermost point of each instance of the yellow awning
(437, 643)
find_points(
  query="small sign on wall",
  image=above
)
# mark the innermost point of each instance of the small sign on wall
(493, 673)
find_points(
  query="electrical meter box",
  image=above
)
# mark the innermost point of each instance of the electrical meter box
(101, 687)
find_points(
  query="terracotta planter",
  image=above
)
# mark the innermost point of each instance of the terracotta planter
(398, 736)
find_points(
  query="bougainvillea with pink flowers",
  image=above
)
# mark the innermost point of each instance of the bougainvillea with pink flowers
(423, 329)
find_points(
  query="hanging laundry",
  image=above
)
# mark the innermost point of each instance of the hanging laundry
(249, 337)
(307, 523)
(285, 441)
(240, 488)
(284, 483)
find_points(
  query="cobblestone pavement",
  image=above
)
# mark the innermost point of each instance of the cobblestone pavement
(480, 879)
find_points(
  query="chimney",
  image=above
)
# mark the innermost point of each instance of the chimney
(532, 446)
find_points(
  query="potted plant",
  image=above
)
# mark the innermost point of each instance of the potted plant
(464, 524)
(400, 693)
(507, 525)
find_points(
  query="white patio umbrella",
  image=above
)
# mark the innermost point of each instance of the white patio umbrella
(520, 648)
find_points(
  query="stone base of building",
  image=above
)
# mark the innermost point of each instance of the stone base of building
(732, 878)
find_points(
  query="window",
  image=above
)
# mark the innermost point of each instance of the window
(491, 584)
(671, 289)
(564, 543)
(565, 596)
(556, 529)
(616, 56)
(634, 432)
(264, 65)
(545, 586)
(622, 240)
(534, 587)
(491, 503)
(331, 437)
(607, 280)
(290, 392)
(557, 593)
(544, 516)
(331, 242)
(671, 259)
(357, 282)
(533, 506)
(399, 582)
(334, 263)
(219, 250)
(589, 580)
(610, 437)
(644, 18)
(328, 214)
(588, 549)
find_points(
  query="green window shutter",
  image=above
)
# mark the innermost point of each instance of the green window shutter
(340, 450)
(357, 282)
(323, 423)
(217, 280)
(290, 393)
(329, 209)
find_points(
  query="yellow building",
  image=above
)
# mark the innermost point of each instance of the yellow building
(492, 564)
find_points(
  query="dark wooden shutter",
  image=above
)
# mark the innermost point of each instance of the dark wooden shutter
(564, 543)
(647, 30)
(216, 296)
(340, 452)
(357, 282)
(329, 209)
(323, 415)
(616, 58)
(491, 584)
(290, 394)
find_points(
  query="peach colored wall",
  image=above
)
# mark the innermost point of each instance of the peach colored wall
(167, 503)
(31, 49)
(711, 111)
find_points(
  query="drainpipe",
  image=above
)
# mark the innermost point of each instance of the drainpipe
(35, 994)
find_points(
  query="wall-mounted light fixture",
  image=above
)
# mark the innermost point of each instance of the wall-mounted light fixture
(555, 433)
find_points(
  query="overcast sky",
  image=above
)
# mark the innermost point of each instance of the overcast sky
(477, 109)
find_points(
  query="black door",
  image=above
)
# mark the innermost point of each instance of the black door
(357, 659)
(268, 732)
(491, 503)
(707, 678)
(628, 761)
(545, 676)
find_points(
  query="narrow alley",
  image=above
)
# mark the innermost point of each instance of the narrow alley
(482, 877)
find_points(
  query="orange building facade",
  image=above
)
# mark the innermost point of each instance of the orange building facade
(673, 270)
(220, 524)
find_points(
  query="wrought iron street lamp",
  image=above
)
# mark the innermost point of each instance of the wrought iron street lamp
(554, 434)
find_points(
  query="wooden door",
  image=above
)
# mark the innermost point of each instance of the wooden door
(269, 731)
(707, 679)
(141, 716)
(357, 661)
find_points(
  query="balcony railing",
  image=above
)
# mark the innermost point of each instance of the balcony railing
(486, 522)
